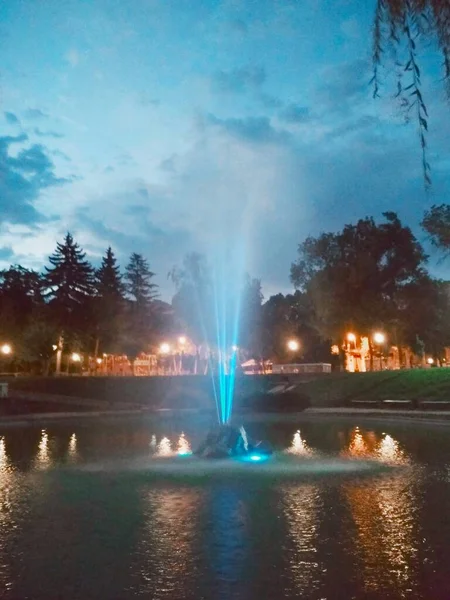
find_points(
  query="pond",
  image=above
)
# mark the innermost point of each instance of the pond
(110, 509)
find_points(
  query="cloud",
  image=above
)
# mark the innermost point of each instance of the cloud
(50, 134)
(344, 87)
(251, 129)
(11, 118)
(22, 179)
(35, 113)
(6, 253)
(294, 113)
(61, 154)
(72, 57)
(238, 81)
(269, 101)
(169, 164)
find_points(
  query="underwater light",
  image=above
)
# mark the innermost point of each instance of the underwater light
(255, 457)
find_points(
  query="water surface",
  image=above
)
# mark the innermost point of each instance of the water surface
(109, 510)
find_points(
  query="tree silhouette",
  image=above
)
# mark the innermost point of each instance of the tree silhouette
(70, 287)
(109, 303)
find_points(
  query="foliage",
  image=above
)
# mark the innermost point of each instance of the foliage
(436, 223)
(69, 284)
(399, 26)
(354, 278)
(193, 300)
(139, 309)
(109, 304)
(138, 278)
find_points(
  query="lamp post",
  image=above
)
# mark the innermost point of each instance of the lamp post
(379, 339)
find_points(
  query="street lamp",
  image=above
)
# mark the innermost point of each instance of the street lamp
(164, 348)
(430, 360)
(351, 337)
(6, 349)
(182, 340)
(293, 345)
(75, 357)
(379, 338)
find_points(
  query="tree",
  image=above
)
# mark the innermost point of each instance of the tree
(109, 303)
(436, 223)
(354, 278)
(399, 26)
(292, 316)
(142, 292)
(20, 294)
(250, 318)
(193, 302)
(138, 279)
(70, 288)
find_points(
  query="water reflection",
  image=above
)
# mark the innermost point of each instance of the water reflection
(184, 446)
(43, 455)
(386, 544)
(165, 553)
(388, 451)
(72, 450)
(299, 447)
(368, 445)
(302, 505)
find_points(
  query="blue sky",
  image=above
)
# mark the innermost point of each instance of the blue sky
(165, 126)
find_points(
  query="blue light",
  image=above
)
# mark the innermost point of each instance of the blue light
(254, 458)
(181, 453)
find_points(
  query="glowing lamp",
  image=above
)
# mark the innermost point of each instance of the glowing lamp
(293, 345)
(6, 349)
(234, 348)
(430, 360)
(75, 357)
(99, 361)
(255, 457)
(379, 338)
(181, 340)
(351, 337)
(164, 348)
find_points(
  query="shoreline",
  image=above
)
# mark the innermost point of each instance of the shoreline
(429, 417)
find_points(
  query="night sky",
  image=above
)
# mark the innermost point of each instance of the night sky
(156, 125)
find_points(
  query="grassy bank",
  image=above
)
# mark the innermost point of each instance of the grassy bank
(341, 389)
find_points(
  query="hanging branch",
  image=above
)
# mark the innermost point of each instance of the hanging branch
(412, 33)
(411, 20)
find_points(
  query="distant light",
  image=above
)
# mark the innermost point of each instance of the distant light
(99, 361)
(184, 453)
(430, 360)
(379, 338)
(351, 337)
(182, 340)
(55, 347)
(6, 349)
(293, 345)
(234, 348)
(164, 348)
(75, 357)
(255, 457)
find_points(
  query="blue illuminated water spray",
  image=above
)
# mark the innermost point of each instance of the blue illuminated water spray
(227, 290)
